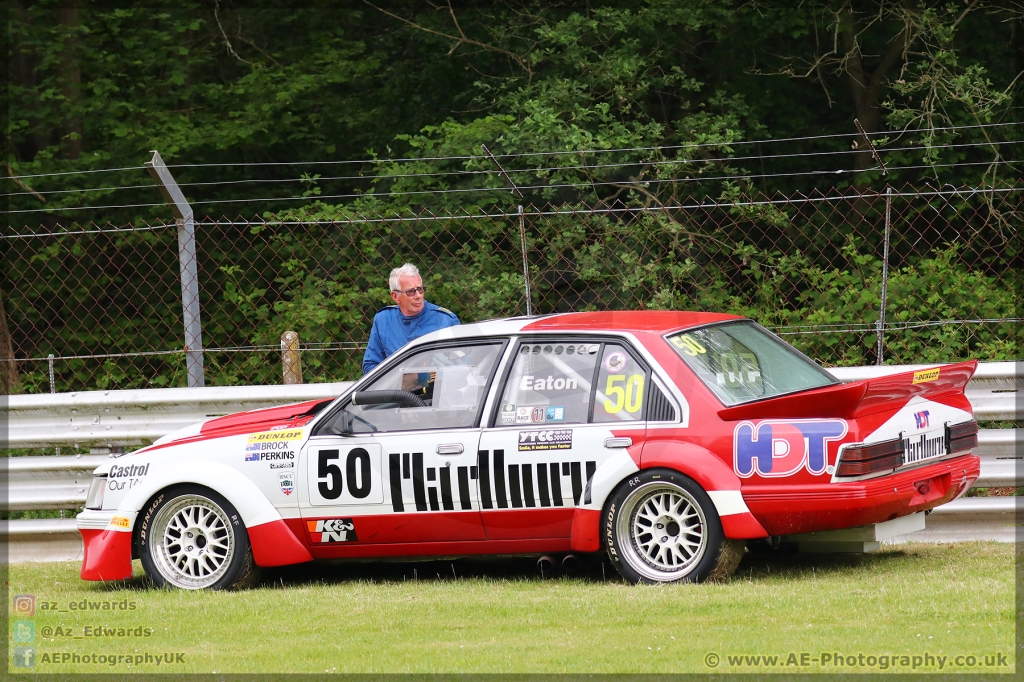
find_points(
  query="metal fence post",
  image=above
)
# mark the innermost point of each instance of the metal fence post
(291, 358)
(187, 266)
(526, 261)
(885, 273)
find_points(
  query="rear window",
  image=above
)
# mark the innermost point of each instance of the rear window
(741, 362)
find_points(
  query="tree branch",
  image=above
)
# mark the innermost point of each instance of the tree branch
(19, 183)
(523, 62)
(231, 50)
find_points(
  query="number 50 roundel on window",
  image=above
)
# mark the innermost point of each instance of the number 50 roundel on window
(345, 476)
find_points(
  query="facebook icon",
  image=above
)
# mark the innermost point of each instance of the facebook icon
(24, 657)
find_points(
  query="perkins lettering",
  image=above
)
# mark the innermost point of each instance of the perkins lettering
(267, 456)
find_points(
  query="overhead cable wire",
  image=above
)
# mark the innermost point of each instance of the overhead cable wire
(706, 204)
(697, 145)
(492, 171)
(79, 172)
(872, 327)
(460, 190)
(102, 230)
(521, 170)
(463, 190)
(574, 151)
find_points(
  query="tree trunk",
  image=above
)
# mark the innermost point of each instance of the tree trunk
(867, 89)
(70, 77)
(9, 382)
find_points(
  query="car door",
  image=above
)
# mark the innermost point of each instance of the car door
(566, 408)
(396, 462)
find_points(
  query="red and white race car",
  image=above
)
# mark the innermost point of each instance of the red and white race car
(667, 439)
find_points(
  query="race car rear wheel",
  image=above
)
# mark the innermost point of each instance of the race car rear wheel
(660, 526)
(192, 538)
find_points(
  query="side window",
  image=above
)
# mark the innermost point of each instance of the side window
(434, 389)
(620, 387)
(549, 382)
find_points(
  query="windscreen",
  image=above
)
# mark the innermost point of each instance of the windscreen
(741, 362)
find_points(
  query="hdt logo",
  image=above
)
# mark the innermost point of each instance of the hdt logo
(922, 419)
(776, 448)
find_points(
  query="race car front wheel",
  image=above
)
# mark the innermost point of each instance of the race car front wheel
(660, 526)
(191, 537)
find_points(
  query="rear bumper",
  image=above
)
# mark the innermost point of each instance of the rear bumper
(784, 510)
(108, 549)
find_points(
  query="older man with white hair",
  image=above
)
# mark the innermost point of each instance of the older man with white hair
(412, 316)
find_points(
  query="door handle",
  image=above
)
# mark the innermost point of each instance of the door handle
(450, 449)
(618, 442)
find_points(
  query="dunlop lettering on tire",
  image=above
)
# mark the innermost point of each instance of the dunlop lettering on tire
(148, 517)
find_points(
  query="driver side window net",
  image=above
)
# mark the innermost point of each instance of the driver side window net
(440, 388)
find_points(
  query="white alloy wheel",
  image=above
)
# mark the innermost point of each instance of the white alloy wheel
(664, 531)
(192, 542)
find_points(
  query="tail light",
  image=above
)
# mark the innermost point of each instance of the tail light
(963, 436)
(858, 460)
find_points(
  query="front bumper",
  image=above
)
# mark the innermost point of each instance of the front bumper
(107, 537)
(789, 509)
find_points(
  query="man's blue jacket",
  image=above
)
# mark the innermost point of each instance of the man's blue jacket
(392, 330)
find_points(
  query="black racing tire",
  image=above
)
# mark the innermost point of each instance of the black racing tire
(660, 527)
(192, 538)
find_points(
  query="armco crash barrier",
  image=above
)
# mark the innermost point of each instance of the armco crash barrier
(112, 419)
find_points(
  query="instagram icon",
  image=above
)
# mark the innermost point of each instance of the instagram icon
(24, 604)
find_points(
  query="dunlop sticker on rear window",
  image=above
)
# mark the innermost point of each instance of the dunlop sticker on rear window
(926, 375)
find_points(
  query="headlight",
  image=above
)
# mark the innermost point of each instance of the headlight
(94, 500)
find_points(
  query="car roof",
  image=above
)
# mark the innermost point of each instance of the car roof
(626, 321)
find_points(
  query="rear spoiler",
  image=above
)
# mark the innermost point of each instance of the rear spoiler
(858, 398)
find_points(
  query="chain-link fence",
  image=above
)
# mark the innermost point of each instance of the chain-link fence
(105, 301)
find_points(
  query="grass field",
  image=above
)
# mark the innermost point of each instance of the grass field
(496, 615)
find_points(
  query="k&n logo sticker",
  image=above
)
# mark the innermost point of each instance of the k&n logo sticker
(332, 530)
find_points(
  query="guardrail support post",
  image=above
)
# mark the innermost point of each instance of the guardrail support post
(291, 358)
(187, 266)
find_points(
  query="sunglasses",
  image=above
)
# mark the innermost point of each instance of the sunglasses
(413, 291)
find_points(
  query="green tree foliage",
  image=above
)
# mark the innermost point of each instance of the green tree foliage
(611, 106)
